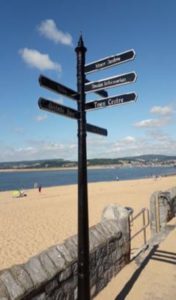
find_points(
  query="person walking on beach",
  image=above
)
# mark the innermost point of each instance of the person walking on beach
(40, 188)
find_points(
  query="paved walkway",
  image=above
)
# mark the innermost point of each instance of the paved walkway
(151, 276)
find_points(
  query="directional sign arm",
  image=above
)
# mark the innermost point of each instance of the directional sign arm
(58, 108)
(110, 61)
(58, 88)
(110, 82)
(115, 100)
(96, 129)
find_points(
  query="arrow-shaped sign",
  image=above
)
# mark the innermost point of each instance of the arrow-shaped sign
(111, 81)
(58, 88)
(115, 100)
(96, 129)
(110, 61)
(58, 108)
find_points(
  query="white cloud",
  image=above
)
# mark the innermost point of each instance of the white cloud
(152, 123)
(41, 118)
(49, 29)
(38, 60)
(162, 110)
(129, 139)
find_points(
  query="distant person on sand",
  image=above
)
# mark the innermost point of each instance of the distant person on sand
(35, 185)
(40, 188)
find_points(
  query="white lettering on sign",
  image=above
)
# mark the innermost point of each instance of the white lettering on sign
(115, 101)
(114, 81)
(56, 108)
(100, 65)
(97, 85)
(113, 60)
(99, 104)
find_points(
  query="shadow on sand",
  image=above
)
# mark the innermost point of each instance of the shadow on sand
(128, 286)
(159, 255)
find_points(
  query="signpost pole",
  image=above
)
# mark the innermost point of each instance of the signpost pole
(83, 220)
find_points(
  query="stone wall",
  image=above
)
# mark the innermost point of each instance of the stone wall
(52, 274)
(162, 209)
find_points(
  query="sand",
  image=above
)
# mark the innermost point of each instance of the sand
(33, 223)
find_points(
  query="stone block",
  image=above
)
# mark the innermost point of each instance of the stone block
(109, 274)
(172, 192)
(100, 284)
(114, 256)
(93, 291)
(106, 263)
(119, 214)
(56, 258)
(72, 246)
(36, 271)
(102, 231)
(112, 245)
(106, 228)
(64, 275)
(23, 277)
(51, 287)
(116, 269)
(3, 291)
(76, 293)
(39, 297)
(15, 290)
(119, 253)
(93, 241)
(68, 286)
(75, 281)
(93, 279)
(58, 295)
(48, 265)
(98, 234)
(100, 254)
(113, 227)
(100, 271)
(93, 261)
(74, 267)
(65, 252)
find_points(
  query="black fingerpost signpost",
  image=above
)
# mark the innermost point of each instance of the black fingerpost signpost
(83, 221)
(79, 114)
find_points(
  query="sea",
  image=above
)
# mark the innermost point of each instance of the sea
(30, 179)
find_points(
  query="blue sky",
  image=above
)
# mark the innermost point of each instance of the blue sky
(39, 37)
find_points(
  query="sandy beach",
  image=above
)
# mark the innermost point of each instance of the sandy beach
(33, 223)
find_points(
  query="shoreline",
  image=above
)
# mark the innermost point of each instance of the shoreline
(76, 168)
(51, 169)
